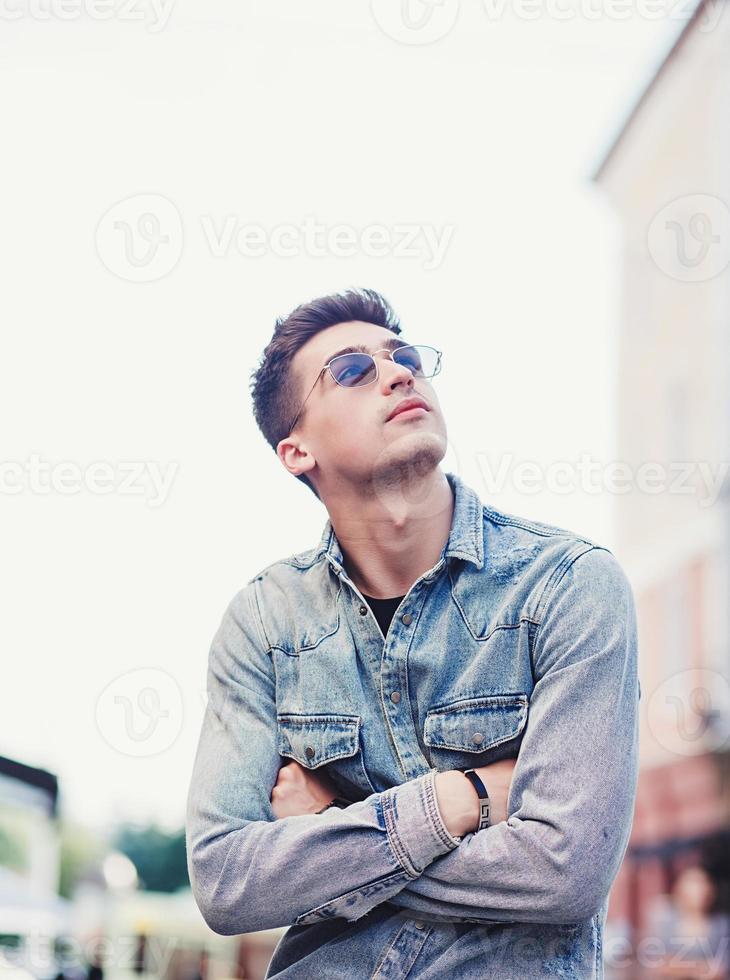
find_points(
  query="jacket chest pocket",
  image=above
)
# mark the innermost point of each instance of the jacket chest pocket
(330, 742)
(473, 732)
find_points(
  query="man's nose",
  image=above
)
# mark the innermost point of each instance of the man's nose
(391, 374)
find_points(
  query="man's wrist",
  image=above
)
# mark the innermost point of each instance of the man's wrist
(457, 802)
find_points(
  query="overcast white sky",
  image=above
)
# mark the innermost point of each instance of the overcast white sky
(272, 113)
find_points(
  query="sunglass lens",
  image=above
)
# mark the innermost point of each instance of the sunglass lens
(352, 370)
(421, 361)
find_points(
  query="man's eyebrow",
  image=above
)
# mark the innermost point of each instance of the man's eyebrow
(390, 344)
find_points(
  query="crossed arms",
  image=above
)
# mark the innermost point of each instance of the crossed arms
(570, 802)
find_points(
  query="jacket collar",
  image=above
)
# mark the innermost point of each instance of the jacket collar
(466, 538)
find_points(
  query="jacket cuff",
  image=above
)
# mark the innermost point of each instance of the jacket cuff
(416, 830)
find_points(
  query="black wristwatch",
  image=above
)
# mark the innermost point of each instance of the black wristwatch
(483, 798)
(339, 801)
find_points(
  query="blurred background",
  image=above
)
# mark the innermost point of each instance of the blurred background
(541, 188)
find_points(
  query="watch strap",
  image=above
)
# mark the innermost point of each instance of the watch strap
(339, 801)
(483, 795)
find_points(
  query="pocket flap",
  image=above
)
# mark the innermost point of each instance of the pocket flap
(315, 739)
(476, 724)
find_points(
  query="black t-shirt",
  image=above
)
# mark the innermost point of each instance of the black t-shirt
(383, 610)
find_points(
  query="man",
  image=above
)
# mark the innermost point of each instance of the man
(425, 637)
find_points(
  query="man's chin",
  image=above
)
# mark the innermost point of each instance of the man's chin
(408, 461)
(414, 447)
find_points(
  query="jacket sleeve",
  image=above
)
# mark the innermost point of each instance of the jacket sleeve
(574, 783)
(249, 871)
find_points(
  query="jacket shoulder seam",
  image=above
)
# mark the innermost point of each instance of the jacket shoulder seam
(537, 527)
(559, 573)
(253, 598)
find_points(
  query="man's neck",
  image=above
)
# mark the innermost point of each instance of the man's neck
(389, 540)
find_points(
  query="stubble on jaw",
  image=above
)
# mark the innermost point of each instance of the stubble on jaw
(402, 474)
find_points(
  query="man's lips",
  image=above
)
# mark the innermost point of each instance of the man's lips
(406, 405)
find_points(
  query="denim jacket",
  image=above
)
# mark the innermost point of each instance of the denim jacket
(521, 643)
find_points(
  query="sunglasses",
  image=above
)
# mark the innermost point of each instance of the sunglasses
(357, 369)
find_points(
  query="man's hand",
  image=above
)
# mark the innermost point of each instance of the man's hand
(459, 804)
(298, 791)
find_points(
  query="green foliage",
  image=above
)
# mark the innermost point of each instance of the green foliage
(159, 857)
(12, 850)
(80, 849)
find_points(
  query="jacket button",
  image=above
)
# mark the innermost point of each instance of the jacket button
(420, 925)
(309, 752)
(477, 738)
(406, 619)
(395, 697)
(363, 610)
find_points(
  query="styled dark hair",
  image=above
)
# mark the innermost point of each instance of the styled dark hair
(275, 392)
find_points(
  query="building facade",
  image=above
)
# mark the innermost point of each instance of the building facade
(667, 176)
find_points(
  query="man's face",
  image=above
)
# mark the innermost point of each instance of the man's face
(346, 432)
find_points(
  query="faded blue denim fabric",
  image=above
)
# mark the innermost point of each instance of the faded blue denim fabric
(520, 642)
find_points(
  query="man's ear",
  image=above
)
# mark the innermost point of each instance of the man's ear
(295, 456)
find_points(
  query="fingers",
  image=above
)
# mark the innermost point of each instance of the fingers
(286, 773)
(289, 774)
